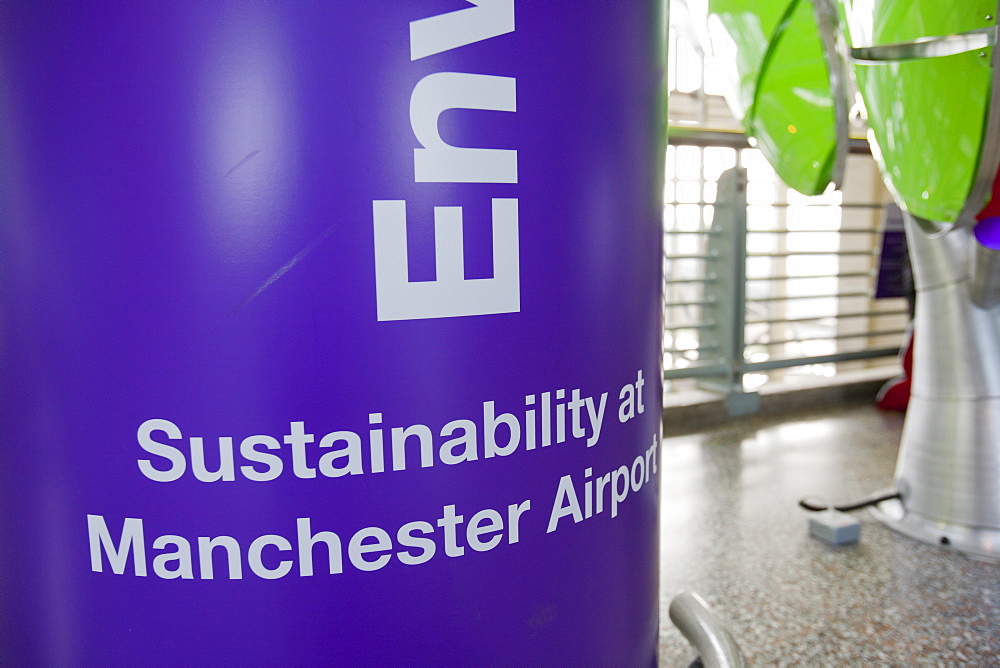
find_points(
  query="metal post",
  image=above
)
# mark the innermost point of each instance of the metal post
(726, 306)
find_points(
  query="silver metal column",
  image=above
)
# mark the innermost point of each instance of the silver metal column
(948, 470)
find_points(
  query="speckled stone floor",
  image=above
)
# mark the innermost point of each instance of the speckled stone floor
(733, 533)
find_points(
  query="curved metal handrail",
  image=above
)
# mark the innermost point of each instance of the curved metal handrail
(703, 629)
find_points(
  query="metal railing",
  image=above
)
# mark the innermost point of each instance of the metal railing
(725, 325)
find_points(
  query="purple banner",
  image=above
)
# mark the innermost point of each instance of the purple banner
(329, 332)
(894, 258)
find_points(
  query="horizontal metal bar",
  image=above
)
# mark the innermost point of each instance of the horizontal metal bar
(842, 230)
(693, 256)
(839, 295)
(705, 302)
(679, 135)
(775, 205)
(721, 368)
(834, 337)
(683, 351)
(855, 274)
(698, 371)
(818, 205)
(838, 316)
(704, 325)
(749, 367)
(856, 205)
(684, 136)
(830, 252)
(689, 281)
(705, 232)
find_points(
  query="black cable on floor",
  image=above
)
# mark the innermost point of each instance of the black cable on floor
(848, 507)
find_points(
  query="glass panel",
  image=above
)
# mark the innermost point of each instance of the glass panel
(689, 67)
(758, 169)
(760, 193)
(717, 160)
(688, 192)
(688, 163)
(711, 190)
(688, 217)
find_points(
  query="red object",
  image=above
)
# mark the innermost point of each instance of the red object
(895, 394)
(993, 207)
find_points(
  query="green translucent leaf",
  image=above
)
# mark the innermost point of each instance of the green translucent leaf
(741, 31)
(927, 119)
(874, 22)
(793, 118)
(782, 85)
(928, 116)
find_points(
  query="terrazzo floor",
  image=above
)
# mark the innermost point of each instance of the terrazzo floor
(732, 532)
